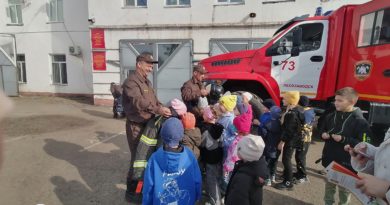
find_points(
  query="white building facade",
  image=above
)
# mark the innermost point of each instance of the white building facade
(45, 31)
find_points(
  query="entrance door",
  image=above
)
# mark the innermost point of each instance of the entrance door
(8, 73)
(173, 69)
(301, 72)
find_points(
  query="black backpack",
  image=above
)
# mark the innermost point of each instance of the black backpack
(300, 119)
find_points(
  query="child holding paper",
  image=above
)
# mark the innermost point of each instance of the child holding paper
(344, 126)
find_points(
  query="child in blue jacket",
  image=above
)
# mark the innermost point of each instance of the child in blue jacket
(271, 132)
(172, 175)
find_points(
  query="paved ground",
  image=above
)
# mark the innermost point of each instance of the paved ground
(66, 151)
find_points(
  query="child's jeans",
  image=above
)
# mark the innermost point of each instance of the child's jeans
(213, 174)
(300, 159)
(330, 190)
(225, 180)
(272, 163)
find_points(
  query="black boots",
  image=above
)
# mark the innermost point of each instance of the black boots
(134, 191)
(285, 185)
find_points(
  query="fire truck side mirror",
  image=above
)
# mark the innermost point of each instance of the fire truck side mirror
(297, 37)
(295, 51)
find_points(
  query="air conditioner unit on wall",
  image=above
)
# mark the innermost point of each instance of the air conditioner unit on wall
(75, 50)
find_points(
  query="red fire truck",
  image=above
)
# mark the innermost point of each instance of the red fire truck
(316, 56)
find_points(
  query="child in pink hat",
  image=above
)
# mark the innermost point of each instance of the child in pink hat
(243, 125)
(178, 108)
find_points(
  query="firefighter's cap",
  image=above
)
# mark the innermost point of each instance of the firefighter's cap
(200, 68)
(146, 57)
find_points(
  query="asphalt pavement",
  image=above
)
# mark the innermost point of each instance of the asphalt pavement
(67, 151)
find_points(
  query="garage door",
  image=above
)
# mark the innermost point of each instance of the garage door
(173, 68)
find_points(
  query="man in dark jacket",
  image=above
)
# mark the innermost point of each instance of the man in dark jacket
(193, 89)
(345, 126)
(140, 104)
(246, 183)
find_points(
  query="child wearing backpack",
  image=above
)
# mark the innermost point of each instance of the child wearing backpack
(292, 124)
(300, 153)
(211, 153)
(271, 132)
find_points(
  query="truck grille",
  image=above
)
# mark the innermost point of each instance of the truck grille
(226, 62)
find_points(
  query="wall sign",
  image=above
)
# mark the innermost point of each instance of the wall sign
(99, 60)
(97, 38)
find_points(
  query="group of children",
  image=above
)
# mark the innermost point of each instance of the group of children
(229, 155)
(235, 160)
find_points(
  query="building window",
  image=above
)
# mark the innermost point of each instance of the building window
(230, 1)
(14, 11)
(233, 46)
(382, 27)
(21, 66)
(136, 3)
(178, 2)
(55, 10)
(164, 51)
(59, 69)
(374, 28)
(276, 1)
(365, 29)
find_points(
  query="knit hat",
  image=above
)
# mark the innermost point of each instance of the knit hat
(178, 106)
(242, 108)
(208, 114)
(275, 112)
(292, 97)
(248, 96)
(229, 102)
(172, 132)
(242, 123)
(188, 120)
(269, 103)
(202, 102)
(250, 148)
(304, 101)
